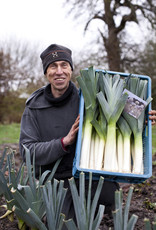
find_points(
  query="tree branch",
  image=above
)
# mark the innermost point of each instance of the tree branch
(96, 16)
(127, 18)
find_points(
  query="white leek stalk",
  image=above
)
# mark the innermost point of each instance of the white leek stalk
(86, 144)
(112, 104)
(120, 151)
(88, 85)
(126, 134)
(92, 151)
(99, 124)
(138, 144)
(110, 158)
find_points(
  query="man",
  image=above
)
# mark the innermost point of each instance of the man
(48, 121)
(50, 124)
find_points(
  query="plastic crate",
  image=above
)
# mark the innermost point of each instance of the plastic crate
(115, 176)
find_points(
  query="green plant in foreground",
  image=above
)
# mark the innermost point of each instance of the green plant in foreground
(120, 216)
(31, 200)
(23, 194)
(29, 205)
(9, 178)
(149, 204)
(85, 209)
(53, 196)
(148, 225)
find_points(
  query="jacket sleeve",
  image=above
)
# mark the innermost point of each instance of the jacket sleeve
(45, 152)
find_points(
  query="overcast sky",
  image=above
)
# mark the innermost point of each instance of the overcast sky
(45, 22)
(40, 21)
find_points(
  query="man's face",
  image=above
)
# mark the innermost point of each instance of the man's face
(59, 74)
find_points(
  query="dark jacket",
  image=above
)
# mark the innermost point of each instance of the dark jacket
(45, 122)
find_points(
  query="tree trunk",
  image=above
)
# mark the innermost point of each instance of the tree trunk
(111, 42)
(113, 51)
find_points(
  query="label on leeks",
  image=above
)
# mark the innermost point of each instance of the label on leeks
(134, 105)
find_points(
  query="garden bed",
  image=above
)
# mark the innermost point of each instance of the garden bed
(143, 202)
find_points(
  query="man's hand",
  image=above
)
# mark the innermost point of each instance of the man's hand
(70, 138)
(152, 116)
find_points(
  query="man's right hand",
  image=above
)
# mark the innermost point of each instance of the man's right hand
(71, 136)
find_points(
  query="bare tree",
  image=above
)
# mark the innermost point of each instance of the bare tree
(115, 15)
(5, 61)
(146, 65)
(20, 74)
(20, 66)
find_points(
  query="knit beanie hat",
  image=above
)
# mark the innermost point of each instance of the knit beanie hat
(55, 53)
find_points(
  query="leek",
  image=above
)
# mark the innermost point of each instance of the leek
(121, 214)
(85, 207)
(112, 139)
(139, 88)
(92, 151)
(88, 85)
(112, 104)
(120, 152)
(126, 137)
(99, 124)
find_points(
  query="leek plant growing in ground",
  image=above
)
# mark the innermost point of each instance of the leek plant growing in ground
(120, 215)
(20, 192)
(9, 178)
(85, 209)
(53, 196)
(148, 225)
(23, 194)
(29, 205)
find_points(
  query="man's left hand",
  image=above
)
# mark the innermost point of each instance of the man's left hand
(152, 116)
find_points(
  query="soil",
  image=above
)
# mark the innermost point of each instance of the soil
(143, 203)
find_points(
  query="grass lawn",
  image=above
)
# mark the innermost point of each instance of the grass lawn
(10, 134)
(154, 139)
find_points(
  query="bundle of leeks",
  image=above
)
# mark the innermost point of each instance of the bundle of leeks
(108, 131)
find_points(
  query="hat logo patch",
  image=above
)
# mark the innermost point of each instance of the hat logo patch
(55, 54)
